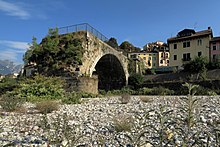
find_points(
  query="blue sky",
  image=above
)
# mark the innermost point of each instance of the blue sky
(137, 21)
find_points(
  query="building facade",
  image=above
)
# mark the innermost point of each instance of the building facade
(215, 49)
(152, 59)
(187, 45)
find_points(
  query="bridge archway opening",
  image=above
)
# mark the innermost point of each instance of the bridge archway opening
(110, 73)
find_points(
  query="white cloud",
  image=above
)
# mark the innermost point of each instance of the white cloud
(12, 50)
(8, 55)
(14, 10)
(15, 44)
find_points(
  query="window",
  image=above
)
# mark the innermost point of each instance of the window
(175, 46)
(154, 58)
(149, 64)
(134, 56)
(186, 44)
(161, 55)
(199, 54)
(199, 42)
(161, 61)
(166, 55)
(186, 57)
(168, 61)
(214, 57)
(149, 58)
(174, 57)
(214, 46)
(154, 64)
(144, 58)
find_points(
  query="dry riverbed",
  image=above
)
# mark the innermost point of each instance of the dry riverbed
(154, 120)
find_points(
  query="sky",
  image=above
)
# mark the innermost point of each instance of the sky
(137, 21)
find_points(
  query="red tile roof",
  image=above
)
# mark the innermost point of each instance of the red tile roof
(196, 35)
(215, 39)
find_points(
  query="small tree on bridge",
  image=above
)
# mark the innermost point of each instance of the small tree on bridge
(55, 53)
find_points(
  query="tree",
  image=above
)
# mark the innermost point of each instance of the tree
(113, 43)
(55, 54)
(197, 66)
(128, 47)
(136, 80)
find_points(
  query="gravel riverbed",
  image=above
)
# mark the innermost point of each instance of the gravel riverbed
(107, 122)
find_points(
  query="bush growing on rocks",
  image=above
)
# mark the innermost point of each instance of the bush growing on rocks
(41, 88)
(123, 124)
(162, 91)
(47, 106)
(7, 84)
(125, 98)
(155, 91)
(145, 99)
(72, 98)
(11, 101)
(205, 91)
(64, 133)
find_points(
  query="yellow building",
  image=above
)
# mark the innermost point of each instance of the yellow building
(150, 58)
(153, 59)
(187, 45)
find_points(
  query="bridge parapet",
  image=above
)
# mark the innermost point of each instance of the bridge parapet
(82, 27)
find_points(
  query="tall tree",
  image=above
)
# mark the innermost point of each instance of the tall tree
(113, 42)
(128, 47)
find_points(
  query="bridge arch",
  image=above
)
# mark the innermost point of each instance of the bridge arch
(110, 71)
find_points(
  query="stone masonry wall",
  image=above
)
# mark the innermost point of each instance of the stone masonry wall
(84, 84)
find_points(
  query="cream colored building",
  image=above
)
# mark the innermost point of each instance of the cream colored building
(153, 59)
(187, 45)
(163, 58)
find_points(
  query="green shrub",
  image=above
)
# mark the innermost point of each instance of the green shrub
(41, 88)
(71, 98)
(205, 91)
(102, 92)
(114, 92)
(155, 91)
(7, 84)
(86, 95)
(11, 101)
(135, 80)
(145, 91)
(162, 91)
(47, 106)
(127, 90)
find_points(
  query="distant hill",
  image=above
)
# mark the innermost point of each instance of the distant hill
(8, 67)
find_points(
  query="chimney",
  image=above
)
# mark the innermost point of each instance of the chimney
(209, 28)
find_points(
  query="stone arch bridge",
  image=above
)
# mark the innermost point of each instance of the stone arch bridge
(99, 60)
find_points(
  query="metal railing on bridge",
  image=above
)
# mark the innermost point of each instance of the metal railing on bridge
(82, 27)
